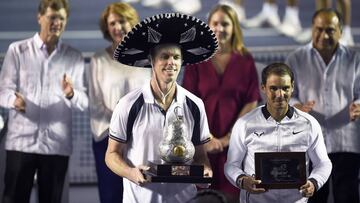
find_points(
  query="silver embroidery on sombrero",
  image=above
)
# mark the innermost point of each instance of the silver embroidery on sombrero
(188, 36)
(132, 51)
(169, 15)
(142, 63)
(198, 51)
(153, 36)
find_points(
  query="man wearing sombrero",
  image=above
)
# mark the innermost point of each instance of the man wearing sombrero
(163, 42)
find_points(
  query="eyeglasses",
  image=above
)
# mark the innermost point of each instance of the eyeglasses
(53, 18)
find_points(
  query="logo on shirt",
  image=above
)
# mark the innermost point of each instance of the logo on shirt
(296, 132)
(258, 133)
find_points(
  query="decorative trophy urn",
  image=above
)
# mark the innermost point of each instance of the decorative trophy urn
(176, 152)
(176, 147)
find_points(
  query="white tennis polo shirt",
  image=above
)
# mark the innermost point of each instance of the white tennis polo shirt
(139, 122)
(257, 131)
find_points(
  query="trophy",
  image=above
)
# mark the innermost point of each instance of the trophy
(176, 146)
(177, 152)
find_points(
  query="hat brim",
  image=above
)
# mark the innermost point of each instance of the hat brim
(197, 41)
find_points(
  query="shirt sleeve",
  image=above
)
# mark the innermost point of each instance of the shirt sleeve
(80, 99)
(318, 155)
(236, 153)
(98, 111)
(204, 126)
(9, 77)
(357, 81)
(291, 62)
(118, 122)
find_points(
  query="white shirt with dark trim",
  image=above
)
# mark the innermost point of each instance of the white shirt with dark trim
(140, 122)
(257, 131)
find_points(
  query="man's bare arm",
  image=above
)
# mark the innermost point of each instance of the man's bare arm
(115, 161)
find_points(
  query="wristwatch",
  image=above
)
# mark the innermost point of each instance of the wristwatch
(240, 181)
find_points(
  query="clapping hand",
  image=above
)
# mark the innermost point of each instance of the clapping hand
(306, 107)
(354, 111)
(67, 86)
(19, 103)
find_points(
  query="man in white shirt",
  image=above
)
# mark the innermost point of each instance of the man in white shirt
(36, 86)
(140, 118)
(276, 127)
(328, 87)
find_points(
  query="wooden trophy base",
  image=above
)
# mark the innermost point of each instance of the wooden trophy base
(176, 173)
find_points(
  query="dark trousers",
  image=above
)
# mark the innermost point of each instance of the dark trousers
(345, 180)
(110, 185)
(19, 177)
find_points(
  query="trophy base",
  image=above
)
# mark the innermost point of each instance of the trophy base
(176, 173)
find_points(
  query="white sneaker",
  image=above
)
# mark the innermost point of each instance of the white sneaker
(346, 37)
(291, 25)
(304, 37)
(240, 11)
(289, 29)
(255, 21)
(152, 3)
(188, 7)
(267, 14)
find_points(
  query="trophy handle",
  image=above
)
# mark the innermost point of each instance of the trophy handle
(178, 113)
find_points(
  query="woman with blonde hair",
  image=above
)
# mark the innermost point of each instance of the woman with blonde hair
(228, 85)
(108, 82)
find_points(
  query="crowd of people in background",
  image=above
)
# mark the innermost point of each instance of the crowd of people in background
(317, 89)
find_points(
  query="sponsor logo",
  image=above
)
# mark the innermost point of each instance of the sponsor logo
(296, 132)
(258, 133)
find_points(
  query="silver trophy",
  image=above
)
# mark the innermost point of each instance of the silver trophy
(176, 146)
(176, 152)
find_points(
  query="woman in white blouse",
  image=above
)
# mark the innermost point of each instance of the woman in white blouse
(109, 81)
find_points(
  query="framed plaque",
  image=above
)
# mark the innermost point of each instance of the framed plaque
(176, 173)
(280, 170)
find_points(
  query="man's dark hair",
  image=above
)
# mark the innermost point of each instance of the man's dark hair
(329, 11)
(155, 50)
(279, 69)
(53, 4)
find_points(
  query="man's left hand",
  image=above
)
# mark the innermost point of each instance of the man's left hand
(214, 146)
(67, 87)
(354, 111)
(207, 173)
(308, 189)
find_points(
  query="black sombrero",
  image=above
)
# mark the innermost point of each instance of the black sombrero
(196, 39)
